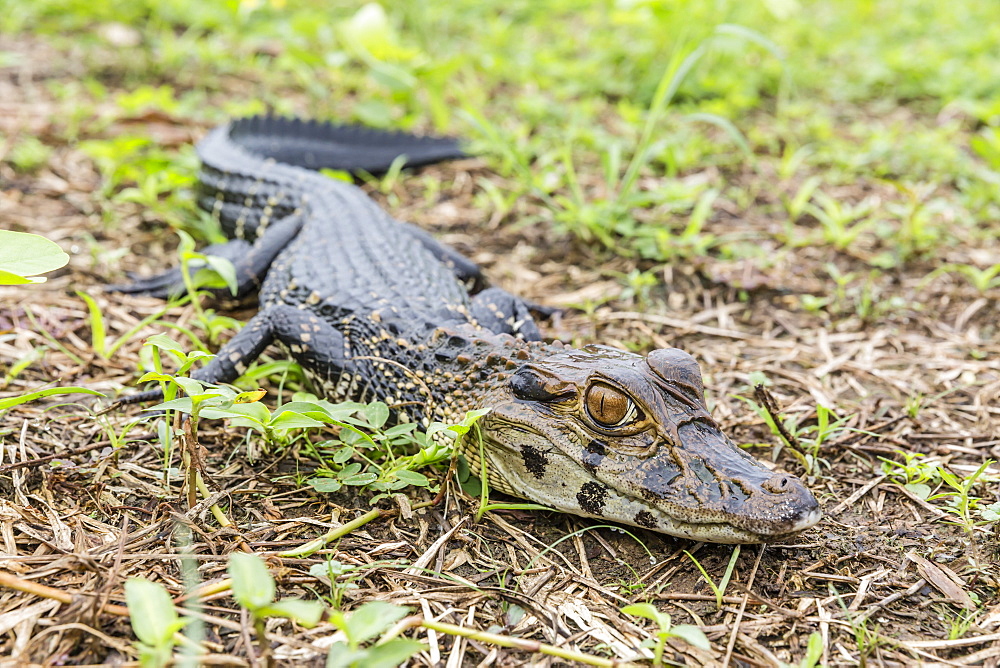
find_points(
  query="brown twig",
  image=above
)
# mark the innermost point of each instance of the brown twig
(38, 461)
(767, 401)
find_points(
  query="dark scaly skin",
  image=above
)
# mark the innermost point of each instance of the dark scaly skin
(375, 309)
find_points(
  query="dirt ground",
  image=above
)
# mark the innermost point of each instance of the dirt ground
(886, 578)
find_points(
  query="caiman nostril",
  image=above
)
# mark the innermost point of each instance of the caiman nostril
(777, 484)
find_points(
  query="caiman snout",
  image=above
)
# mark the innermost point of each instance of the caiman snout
(790, 491)
(795, 506)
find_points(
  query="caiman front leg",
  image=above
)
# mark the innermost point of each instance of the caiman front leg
(494, 308)
(314, 344)
(499, 311)
(251, 262)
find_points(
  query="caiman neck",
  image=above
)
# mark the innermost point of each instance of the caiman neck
(472, 364)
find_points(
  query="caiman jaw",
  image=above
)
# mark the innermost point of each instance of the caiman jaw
(607, 434)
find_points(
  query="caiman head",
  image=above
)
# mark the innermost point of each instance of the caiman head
(604, 433)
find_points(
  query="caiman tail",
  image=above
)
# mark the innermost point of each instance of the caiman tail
(349, 148)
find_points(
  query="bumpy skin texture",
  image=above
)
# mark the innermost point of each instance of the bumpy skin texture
(374, 308)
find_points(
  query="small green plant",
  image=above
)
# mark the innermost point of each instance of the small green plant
(959, 622)
(254, 588)
(718, 589)
(154, 621)
(341, 577)
(200, 270)
(366, 453)
(28, 154)
(804, 440)
(841, 223)
(981, 279)
(915, 473)
(814, 304)
(917, 232)
(814, 652)
(960, 501)
(368, 622)
(100, 342)
(796, 206)
(665, 630)
(22, 363)
(23, 256)
(638, 285)
(138, 170)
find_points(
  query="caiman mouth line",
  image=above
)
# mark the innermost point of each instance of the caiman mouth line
(682, 523)
(717, 531)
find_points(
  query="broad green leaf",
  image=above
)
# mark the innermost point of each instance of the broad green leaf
(155, 657)
(23, 254)
(324, 410)
(8, 278)
(692, 634)
(31, 396)
(646, 610)
(341, 410)
(304, 407)
(249, 397)
(226, 271)
(187, 245)
(253, 585)
(342, 656)
(255, 412)
(349, 470)
(392, 653)
(325, 485)
(359, 479)
(154, 375)
(372, 619)
(293, 420)
(306, 613)
(342, 455)
(190, 386)
(650, 612)
(182, 404)
(151, 611)
(991, 513)
(164, 342)
(919, 489)
(377, 413)
(814, 650)
(461, 428)
(412, 478)
(400, 429)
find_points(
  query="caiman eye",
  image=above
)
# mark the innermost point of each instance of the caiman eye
(609, 407)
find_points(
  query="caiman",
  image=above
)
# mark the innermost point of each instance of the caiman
(373, 308)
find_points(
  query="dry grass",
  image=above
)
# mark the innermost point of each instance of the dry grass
(881, 578)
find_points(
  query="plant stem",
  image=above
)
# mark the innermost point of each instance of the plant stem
(515, 643)
(333, 534)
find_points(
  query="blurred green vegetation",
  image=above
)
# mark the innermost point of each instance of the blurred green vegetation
(623, 122)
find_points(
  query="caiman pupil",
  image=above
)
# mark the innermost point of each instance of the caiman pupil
(609, 407)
